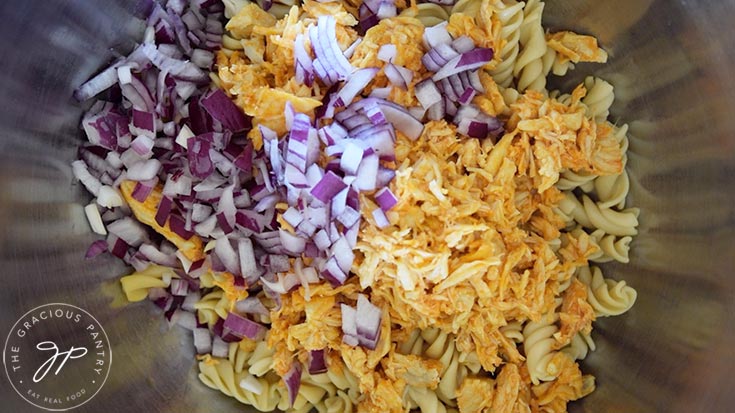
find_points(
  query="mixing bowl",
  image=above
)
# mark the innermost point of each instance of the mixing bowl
(671, 63)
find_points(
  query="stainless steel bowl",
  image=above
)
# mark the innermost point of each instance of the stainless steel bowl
(672, 65)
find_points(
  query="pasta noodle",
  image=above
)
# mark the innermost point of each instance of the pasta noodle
(429, 14)
(510, 15)
(468, 7)
(137, 285)
(538, 344)
(608, 297)
(437, 345)
(580, 346)
(599, 98)
(212, 307)
(609, 247)
(529, 67)
(590, 214)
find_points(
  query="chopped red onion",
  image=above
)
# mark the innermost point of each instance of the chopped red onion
(385, 199)
(222, 109)
(427, 93)
(387, 53)
(251, 305)
(368, 317)
(220, 348)
(381, 220)
(436, 35)
(292, 243)
(96, 248)
(329, 186)
(128, 230)
(333, 273)
(317, 362)
(202, 340)
(154, 255)
(184, 319)
(471, 60)
(179, 287)
(243, 327)
(292, 380)
(144, 170)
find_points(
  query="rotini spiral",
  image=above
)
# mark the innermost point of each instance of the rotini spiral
(339, 403)
(247, 374)
(612, 190)
(608, 297)
(529, 67)
(610, 247)
(263, 393)
(538, 344)
(591, 215)
(552, 64)
(580, 346)
(468, 7)
(429, 14)
(570, 180)
(438, 345)
(426, 400)
(136, 285)
(510, 15)
(513, 331)
(212, 307)
(599, 98)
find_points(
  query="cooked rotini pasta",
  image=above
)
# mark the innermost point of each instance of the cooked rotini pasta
(468, 7)
(538, 344)
(528, 68)
(212, 307)
(510, 16)
(437, 345)
(591, 215)
(599, 98)
(137, 285)
(429, 14)
(580, 346)
(608, 297)
(609, 247)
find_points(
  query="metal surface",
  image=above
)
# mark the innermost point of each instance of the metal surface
(671, 63)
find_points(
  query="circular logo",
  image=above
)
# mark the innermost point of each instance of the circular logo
(57, 356)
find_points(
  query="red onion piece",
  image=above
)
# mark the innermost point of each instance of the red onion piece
(96, 248)
(471, 60)
(202, 340)
(292, 380)
(381, 220)
(427, 93)
(368, 319)
(329, 186)
(243, 327)
(200, 162)
(227, 255)
(223, 109)
(251, 305)
(385, 199)
(317, 362)
(333, 273)
(436, 35)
